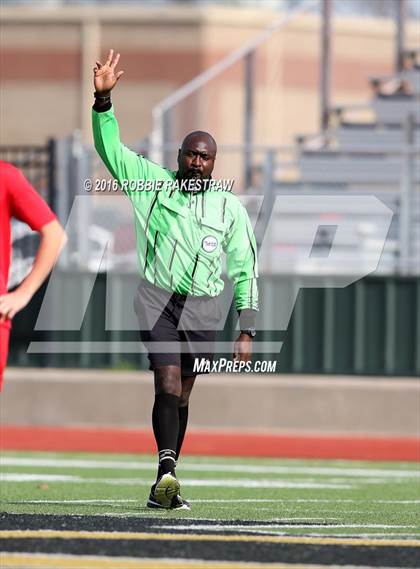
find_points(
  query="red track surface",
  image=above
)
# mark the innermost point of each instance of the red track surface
(211, 443)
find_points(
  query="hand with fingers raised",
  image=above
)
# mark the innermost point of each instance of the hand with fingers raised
(106, 76)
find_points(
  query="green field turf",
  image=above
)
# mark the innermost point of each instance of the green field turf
(282, 497)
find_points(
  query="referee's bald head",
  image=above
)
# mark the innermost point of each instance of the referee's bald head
(197, 155)
(201, 135)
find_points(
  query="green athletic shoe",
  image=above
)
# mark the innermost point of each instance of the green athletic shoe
(166, 489)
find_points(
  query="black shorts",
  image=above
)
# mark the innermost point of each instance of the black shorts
(176, 329)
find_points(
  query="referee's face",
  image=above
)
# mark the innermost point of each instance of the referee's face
(196, 156)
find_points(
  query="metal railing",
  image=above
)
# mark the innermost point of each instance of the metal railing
(162, 111)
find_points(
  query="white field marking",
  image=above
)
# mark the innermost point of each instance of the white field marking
(256, 527)
(272, 520)
(322, 517)
(22, 477)
(348, 511)
(301, 500)
(75, 501)
(292, 519)
(131, 514)
(118, 514)
(211, 467)
(366, 536)
(372, 479)
(229, 483)
(123, 502)
(244, 483)
(345, 500)
(263, 483)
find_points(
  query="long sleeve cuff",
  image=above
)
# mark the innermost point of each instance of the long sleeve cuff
(247, 318)
(101, 108)
(246, 294)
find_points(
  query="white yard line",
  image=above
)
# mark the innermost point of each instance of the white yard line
(211, 467)
(367, 536)
(348, 501)
(227, 483)
(75, 501)
(260, 483)
(302, 500)
(123, 502)
(234, 501)
(256, 527)
(76, 463)
(26, 477)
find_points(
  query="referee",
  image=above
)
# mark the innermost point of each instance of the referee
(182, 227)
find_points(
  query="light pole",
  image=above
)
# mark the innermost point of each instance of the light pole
(325, 63)
(400, 14)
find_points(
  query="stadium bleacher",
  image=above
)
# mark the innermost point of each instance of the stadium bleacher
(379, 157)
(393, 109)
(332, 166)
(389, 137)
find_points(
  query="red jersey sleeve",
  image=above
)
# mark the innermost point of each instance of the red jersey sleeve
(25, 203)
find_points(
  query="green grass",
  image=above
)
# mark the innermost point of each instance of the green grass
(298, 496)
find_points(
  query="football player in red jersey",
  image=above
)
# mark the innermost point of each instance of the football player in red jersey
(18, 199)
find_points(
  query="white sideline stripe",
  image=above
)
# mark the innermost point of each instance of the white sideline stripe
(25, 477)
(349, 501)
(284, 482)
(230, 483)
(370, 534)
(302, 500)
(210, 467)
(222, 527)
(75, 501)
(231, 501)
(345, 480)
(110, 502)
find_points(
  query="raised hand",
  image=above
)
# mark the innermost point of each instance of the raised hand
(105, 76)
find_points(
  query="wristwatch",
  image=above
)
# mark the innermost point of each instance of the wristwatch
(251, 332)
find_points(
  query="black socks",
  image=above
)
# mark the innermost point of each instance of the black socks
(183, 420)
(169, 426)
(165, 420)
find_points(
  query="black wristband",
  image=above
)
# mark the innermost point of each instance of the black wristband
(102, 98)
(102, 107)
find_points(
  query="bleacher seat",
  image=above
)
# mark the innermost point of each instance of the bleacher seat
(353, 135)
(332, 166)
(394, 110)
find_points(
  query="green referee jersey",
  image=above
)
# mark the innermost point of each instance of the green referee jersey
(181, 234)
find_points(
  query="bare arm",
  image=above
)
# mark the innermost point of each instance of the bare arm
(53, 239)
